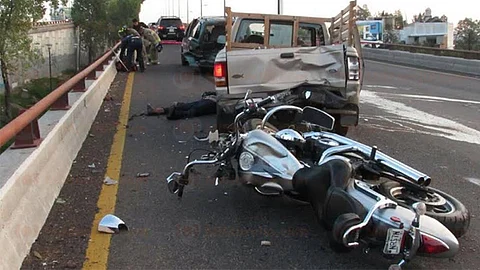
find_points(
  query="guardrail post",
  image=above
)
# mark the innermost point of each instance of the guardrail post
(61, 104)
(80, 86)
(29, 136)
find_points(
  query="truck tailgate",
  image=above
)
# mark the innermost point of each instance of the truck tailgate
(264, 70)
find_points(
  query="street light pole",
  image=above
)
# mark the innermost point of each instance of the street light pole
(50, 65)
(201, 8)
(279, 3)
(188, 13)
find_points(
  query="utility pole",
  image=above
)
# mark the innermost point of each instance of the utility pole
(201, 8)
(279, 6)
(224, 6)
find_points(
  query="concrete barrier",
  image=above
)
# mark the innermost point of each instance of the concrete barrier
(427, 61)
(31, 179)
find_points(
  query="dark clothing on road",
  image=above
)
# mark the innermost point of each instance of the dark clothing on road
(179, 110)
(191, 109)
(132, 44)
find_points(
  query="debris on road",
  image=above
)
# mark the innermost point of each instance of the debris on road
(91, 166)
(108, 97)
(109, 181)
(266, 243)
(60, 201)
(111, 224)
(182, 141)
(37, 255)
(225, 193)
(91, 135)
(143, 175)
(107, 110)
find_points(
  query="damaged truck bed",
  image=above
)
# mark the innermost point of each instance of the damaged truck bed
(298, 53)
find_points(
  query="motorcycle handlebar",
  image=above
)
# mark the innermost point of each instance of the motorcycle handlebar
(266, 101)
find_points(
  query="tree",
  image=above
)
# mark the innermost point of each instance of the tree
(91, 17)
(419, 17)
(399, 24)
(467, 35)
(16, 18)
(363, 13)
(99, 21)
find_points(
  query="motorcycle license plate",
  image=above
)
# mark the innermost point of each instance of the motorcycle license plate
(393, 242)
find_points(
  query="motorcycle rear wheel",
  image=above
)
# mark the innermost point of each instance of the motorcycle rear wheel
(440, 205)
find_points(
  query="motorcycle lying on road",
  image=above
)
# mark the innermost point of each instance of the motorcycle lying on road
(360, 195)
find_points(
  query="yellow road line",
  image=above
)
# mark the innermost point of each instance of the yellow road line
(99, 244)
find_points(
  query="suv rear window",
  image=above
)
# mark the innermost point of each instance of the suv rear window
(170, 22)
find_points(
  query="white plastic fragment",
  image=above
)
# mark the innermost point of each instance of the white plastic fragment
(266, 243)
(109, 181)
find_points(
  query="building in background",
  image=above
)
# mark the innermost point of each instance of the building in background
(371, 30)
(432, 34)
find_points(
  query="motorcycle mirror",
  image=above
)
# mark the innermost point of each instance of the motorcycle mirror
(420, 208)
(318, 117)
(307, 94)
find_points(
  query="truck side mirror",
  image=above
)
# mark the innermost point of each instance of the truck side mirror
(222, 39)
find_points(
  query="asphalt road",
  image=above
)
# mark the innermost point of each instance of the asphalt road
(223, 226)
(426, 119)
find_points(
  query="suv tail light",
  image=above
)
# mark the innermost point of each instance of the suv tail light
(161, 27)
(432, 245)
(182, 27)
(220, 74)
(353, 68)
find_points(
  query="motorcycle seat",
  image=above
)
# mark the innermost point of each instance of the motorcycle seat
(326, 187)
(334, 173)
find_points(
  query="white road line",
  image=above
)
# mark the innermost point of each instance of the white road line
(433, 125)
(381, 86)
(431, 98)
(473, 180)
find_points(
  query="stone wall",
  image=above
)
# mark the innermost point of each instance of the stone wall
(63, 39)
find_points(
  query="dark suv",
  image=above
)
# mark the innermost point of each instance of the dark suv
(203, 40)
(170, 28)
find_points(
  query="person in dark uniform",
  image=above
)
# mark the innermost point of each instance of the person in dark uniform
(132, 43)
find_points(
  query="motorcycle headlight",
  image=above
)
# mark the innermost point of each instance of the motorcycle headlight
(246, 161)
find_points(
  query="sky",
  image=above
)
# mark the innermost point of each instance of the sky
(454, 10)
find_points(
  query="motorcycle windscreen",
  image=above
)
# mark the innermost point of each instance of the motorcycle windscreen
(318, 117)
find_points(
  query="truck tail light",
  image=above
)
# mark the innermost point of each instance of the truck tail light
(353, 68)
(220, 74)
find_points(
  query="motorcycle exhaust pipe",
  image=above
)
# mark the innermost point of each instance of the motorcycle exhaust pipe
(419, 177)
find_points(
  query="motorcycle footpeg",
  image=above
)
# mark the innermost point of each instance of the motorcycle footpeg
(172, 182)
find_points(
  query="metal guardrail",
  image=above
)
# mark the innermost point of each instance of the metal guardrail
(428, 50)
(24, 128)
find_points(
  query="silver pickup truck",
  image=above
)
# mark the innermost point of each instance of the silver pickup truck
(298, 53)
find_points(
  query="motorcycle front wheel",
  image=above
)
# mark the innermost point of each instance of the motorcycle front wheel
(440, 205)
